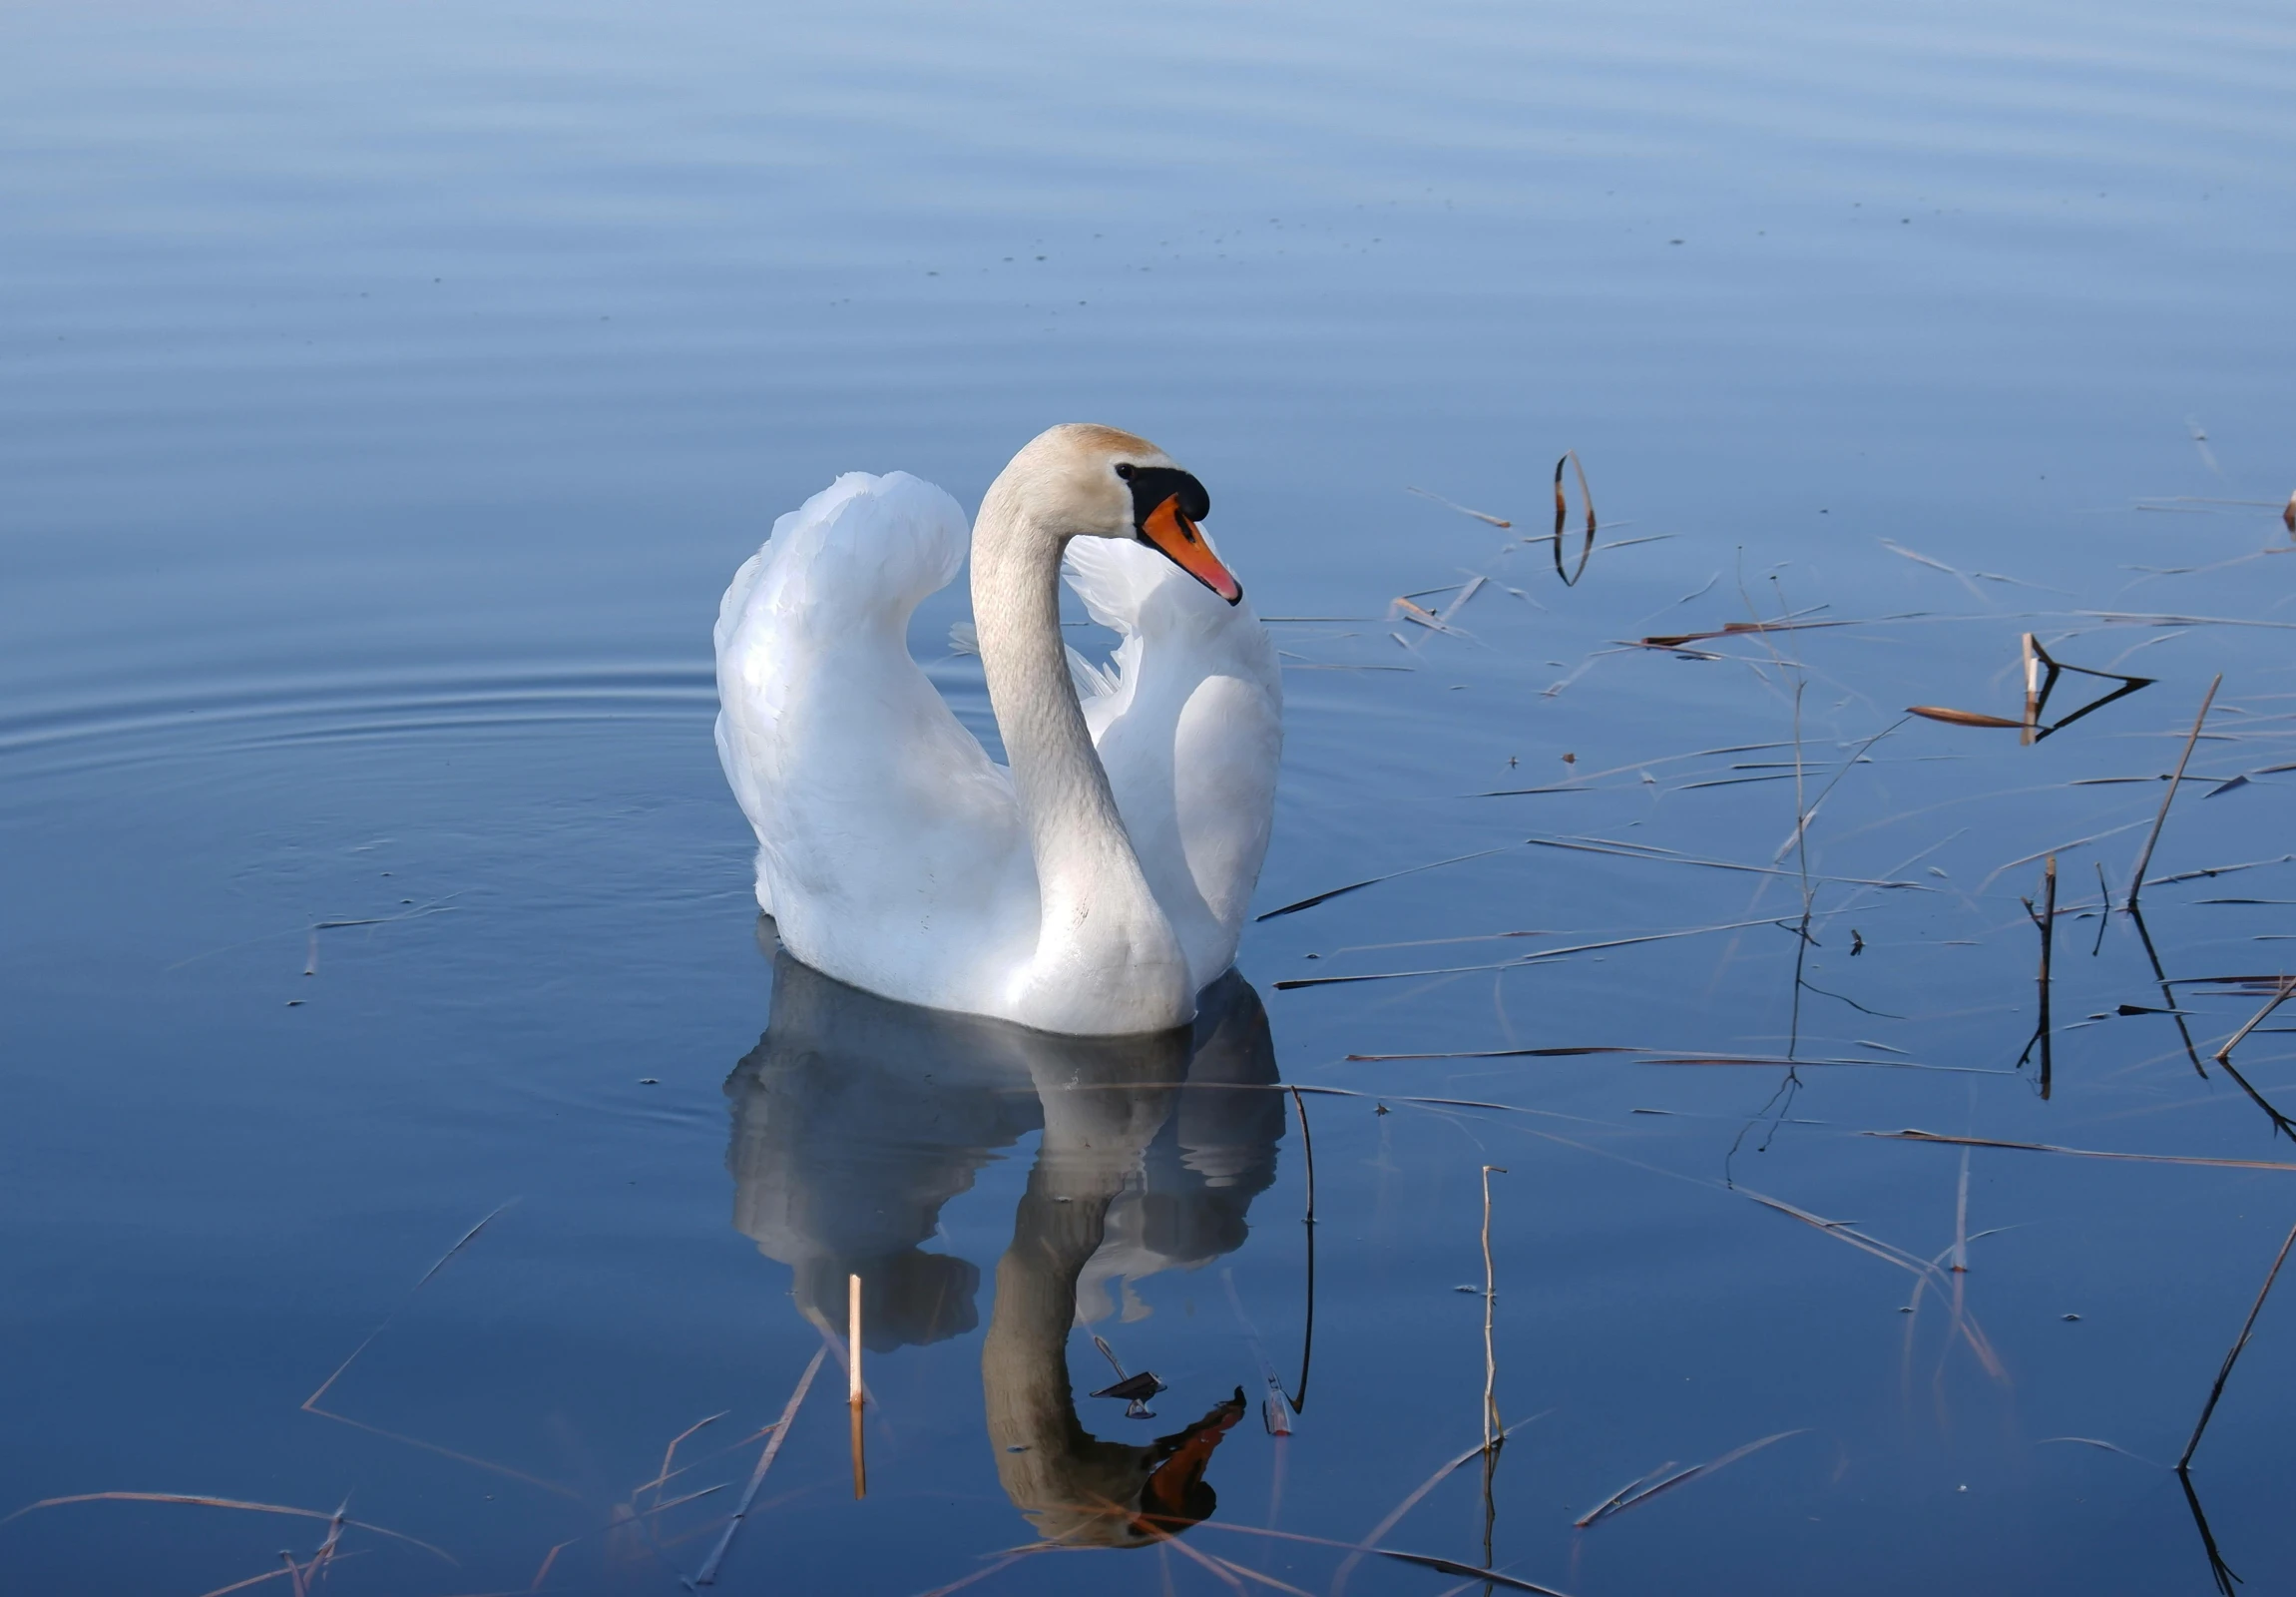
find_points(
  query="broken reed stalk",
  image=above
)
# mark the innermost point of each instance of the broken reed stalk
(2032, 648)
(2286, 991)
(2046, 921)
(2184, 1465)
(1494, 1433)
(853, 1379)
(2136, 878)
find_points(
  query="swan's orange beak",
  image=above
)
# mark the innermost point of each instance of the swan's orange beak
(1167, 528)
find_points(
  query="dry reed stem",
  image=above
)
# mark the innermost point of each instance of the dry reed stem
(199, 1500)
(1371, 881)
(853, 1379)
(708, 1574)
(2287, 991)
(548, 1559)
(1357, 1550)
(2183, 1463)
(310, 1404)
(1232, 1573)
(2078, 1152)
(661, 1476)
(463, 1242)
(2136, 877)
(1535, 957)
(2046, 921)
(1563, 511)
(1462, 509)
(1629, 1497)
(267, 1575)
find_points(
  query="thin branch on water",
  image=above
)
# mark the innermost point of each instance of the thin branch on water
(1642, 1490)
(2078, 1152)
(2136, 877)
(2287, 991)
(1537, 957)
(201, 1501)
(2209, 1409)
(1371, 881)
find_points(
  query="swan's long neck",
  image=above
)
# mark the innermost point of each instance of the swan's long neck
(1104, 949)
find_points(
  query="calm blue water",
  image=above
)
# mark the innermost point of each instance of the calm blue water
(387, 393)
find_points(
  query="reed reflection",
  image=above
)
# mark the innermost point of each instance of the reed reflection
(855, 1119)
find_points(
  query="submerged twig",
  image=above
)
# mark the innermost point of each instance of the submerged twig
(1395, 1515)
(708, 1574)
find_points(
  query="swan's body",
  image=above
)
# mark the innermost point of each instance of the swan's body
(1100, 881)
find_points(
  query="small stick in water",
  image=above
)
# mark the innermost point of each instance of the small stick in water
(2046, 919)
(2032, 648)
(2184, 1463)
(2048, 945)
(2286, 991)
(853, 1379)
(2137, 880)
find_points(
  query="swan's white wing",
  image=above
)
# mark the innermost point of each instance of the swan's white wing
(1191, 734)
(891, 851)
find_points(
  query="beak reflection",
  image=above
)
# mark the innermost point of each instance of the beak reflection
(855, 1119)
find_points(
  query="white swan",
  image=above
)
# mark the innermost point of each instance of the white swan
(1100, 882)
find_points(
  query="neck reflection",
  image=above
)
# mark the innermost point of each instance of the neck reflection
(855, 1119)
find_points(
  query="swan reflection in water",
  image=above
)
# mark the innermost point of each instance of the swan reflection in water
(856, 1118)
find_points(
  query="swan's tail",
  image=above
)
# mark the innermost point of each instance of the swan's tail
(861, 546)
(863, 550)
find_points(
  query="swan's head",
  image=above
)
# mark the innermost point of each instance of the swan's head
(1086, 481)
